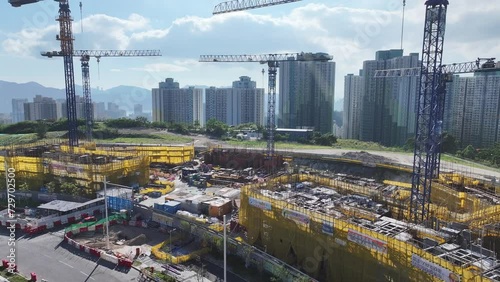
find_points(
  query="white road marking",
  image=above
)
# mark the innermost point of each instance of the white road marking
(47, 256)
(66, 264)
(86, 275)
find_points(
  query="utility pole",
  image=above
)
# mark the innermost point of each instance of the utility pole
(225, 250)
(106, 213)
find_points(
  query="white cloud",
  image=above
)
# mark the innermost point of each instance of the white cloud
(350, 31)
(100, 31)
(24, 42)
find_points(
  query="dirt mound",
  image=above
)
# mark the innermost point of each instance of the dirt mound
(137, 241)
(366, 157)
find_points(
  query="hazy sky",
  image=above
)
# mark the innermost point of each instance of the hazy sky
(184, 29)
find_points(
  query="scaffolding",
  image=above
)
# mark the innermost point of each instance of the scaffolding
(88, 165)
(340, 246)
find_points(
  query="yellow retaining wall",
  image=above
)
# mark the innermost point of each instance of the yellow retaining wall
(159, 254)
(168, 154)
(22, 164)
(333, 257)
(163, 191)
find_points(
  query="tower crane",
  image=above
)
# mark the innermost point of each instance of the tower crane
(85, 56)
(65, 36)
(430, 103)
(240, 5)
(445, 73)
(272, 61)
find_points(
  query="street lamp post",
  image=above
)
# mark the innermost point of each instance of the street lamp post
(106, 214)
(170, 243)
(225, 251)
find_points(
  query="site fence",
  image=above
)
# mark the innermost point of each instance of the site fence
(79, 226)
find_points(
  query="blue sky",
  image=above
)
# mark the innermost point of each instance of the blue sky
(184, 29)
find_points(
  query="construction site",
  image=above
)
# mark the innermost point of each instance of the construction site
(338, 217)
(87, 165)
(326, 223)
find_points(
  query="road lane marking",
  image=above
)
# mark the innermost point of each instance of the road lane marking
(66, 264)
(47, 256)
(86, 275)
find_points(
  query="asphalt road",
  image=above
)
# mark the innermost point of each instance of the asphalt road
(54, 260)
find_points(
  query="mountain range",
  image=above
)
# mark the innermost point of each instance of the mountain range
(125, 96)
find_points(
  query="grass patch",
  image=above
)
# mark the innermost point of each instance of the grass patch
(279, 145)
(9, 139)
(457, 160)
(151, 139)
(13, 278)
(341, 144)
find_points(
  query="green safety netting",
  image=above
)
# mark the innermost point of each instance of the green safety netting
(92, 223)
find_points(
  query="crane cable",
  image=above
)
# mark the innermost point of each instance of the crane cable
(81, 16)
(403, 24)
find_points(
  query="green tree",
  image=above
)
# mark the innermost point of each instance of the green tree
(159, 124)
(180, 128)
(53, 186)
(142, 121)
(24, 187)
(282, 137)
(196, 127)
(69, 188)
(41, 129)
(326, 139)
(448, 143)
(409, 144)
(469, 152)
(216, 128)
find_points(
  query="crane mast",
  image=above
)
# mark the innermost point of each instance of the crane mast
(430, 105)
(66, 39)
(87, 106)
(272, 61)
(85, 56)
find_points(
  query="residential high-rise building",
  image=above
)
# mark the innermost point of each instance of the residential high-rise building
(179, 105)
(114, 111)
(138, 110)
(18, 110)
(249, 101)
(99, 111)
(243, 103)
(80, 107)
(42, 108)
(388, 105)
(472, 114)
(353, 93)
(219, 105)
(61, 108)
(307, 91)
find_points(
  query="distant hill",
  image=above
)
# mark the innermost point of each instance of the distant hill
(125, 96)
